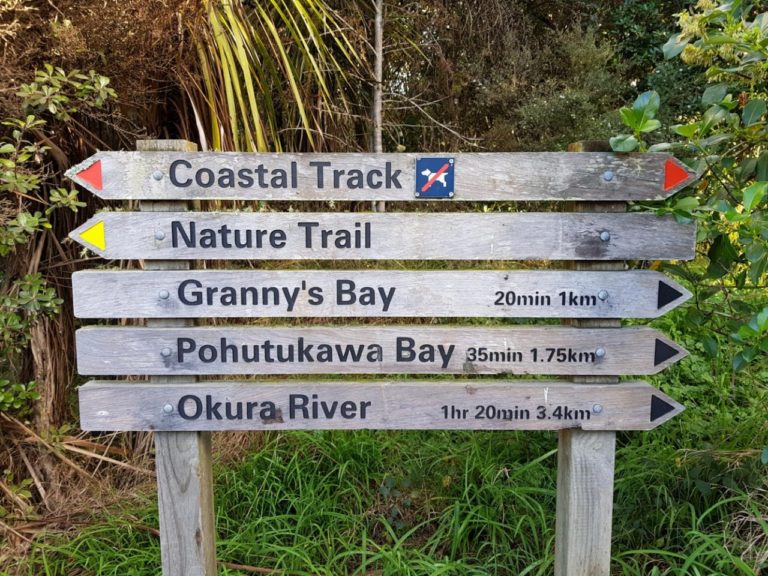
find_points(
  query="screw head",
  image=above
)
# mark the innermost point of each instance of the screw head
(157, 175)
(165, 352)
(605, 235)
(159, 235)
(418, 194)
(603, 294)
(102, 413)
(164, 294)
(450, 194)
(167, 408)
(608, 175)
(597, 408)
(600, 352)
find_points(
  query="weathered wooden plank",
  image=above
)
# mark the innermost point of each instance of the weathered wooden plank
(484, 176)
(392, 405)
(182, 459)
(372, 350)
(389, 293)
(404, 236)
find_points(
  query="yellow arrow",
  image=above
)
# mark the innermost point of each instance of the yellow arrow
(95, 235)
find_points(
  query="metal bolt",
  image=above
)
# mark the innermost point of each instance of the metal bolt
(102, 413)
(165, 352)
(607, 175)
(167, 408)
(163, 294)
(605, 235)
(603, 294)
(418, 194)
(597, 408)
(159, 235)
(450, 194)
(600, 352)
(157, 175)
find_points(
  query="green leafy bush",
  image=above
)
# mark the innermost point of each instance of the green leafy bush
(29, 199)
(726, 142)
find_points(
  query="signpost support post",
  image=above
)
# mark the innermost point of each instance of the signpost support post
(182, 459)
(585, 460)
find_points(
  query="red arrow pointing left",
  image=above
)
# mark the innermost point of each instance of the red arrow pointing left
(92, 175)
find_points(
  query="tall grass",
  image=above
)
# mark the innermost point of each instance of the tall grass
(425, 503)
(270, 76)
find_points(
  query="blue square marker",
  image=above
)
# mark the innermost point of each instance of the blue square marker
(434, 177)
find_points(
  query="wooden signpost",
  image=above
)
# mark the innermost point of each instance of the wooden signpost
(378, 293)
(168, 293)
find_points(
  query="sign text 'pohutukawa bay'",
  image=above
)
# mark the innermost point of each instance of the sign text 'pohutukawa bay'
(391, 293)
(594, 176)
(390, 236)
(373, 350)
(397, 405)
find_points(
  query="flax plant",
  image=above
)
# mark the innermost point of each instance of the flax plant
(270, 75)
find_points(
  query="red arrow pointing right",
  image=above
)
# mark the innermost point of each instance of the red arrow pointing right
(674, 174)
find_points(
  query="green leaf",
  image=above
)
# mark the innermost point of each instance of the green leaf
(648, 103)
(721, 255)
(712, 117)
(710, 346)
(632, 118)
(714, 94)
(674, 46)
(752, 112)
(624, 143)
(650, 125)
(682, 217)
(761, 172)
(688, 203)
(739, 362)
(686, 130)
(761, 319)
(755, 252)
(715, 140)
(753, 195)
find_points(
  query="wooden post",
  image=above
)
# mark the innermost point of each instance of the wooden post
(182, 459)
(378, 86)
(585, 460)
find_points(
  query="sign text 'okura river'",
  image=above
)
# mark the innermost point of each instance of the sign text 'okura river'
(454, 405)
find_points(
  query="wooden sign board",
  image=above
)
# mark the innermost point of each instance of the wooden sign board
(404, 236)
(486, 176)
(372, 350)
(395, 405)
(381, 293)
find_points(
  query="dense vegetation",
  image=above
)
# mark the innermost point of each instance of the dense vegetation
(691, 497)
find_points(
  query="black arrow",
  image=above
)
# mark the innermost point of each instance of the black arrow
(667, 294)
(659, 407)
(663, 352)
